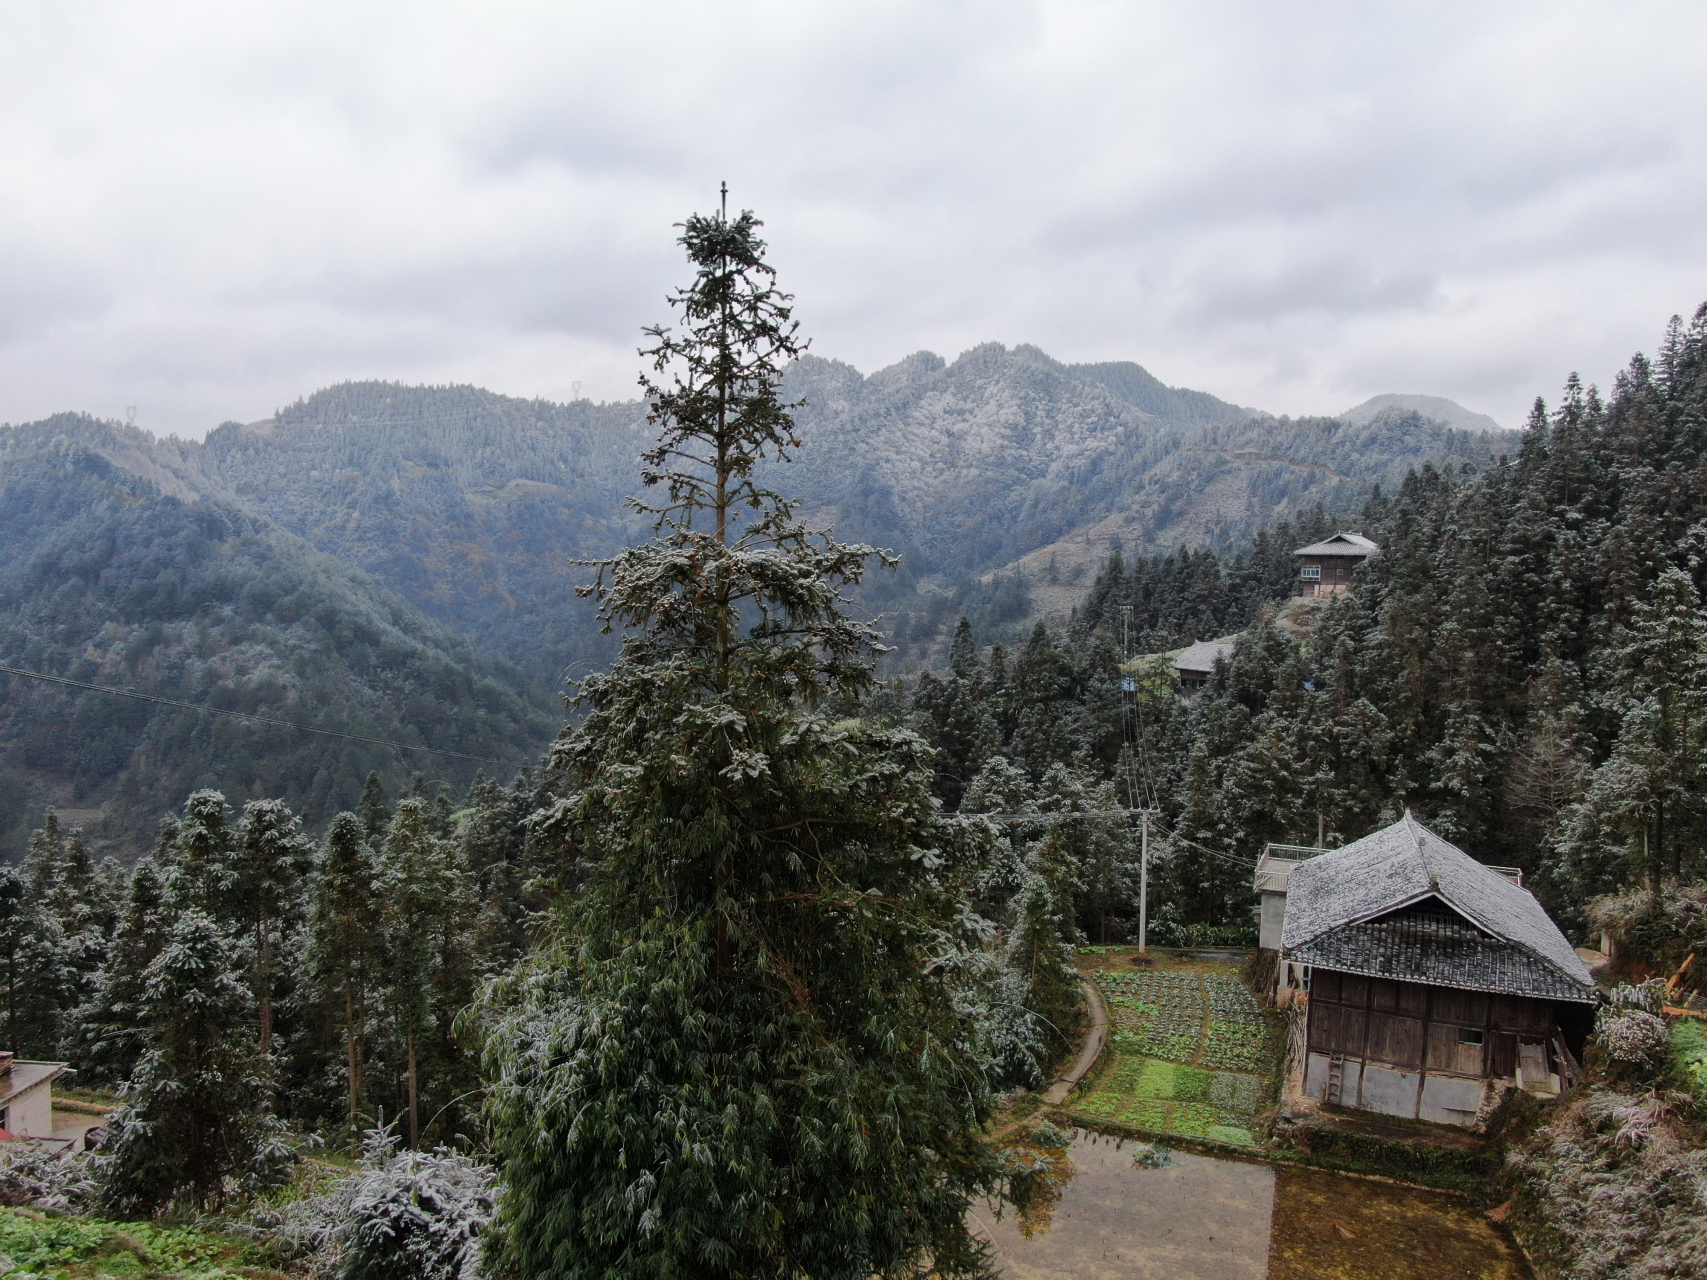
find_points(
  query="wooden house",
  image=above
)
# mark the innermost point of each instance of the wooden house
(1328, 566)
(1433, 981)
(1197, 663)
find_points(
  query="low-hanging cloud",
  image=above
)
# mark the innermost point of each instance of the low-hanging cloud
(213, 209)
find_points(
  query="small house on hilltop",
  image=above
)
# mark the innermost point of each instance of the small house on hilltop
(1327, 567)
(1433, 982)
(1196, 664)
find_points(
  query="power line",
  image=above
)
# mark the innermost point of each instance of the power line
(246, 715)
(1232, 859)
(1050, 817)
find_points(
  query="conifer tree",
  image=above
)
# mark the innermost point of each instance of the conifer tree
(63, 889)
(737, 1052)
(375, 813)
(204, 869)
(33, 952)
(273, 857)
(195, 1116)
(1643, 808)
(345, 942)
(110, 1027)
(420, 893)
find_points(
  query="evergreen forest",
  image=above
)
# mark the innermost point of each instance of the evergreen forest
(1524, 666)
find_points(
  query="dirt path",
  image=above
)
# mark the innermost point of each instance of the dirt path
(1095, 1039)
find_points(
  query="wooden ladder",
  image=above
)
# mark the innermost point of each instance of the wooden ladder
(1336, 1078)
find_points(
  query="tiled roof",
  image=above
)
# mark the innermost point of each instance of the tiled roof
(1441, 951)
(1201, 656)
(1405, 864)
(1341, 544)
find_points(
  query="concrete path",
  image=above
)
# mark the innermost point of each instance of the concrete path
(1088, 1054)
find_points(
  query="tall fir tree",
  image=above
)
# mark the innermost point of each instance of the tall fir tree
(345, 945)
(273, 859)
(421, 897)
(195, 1117)
(737, 1053)
(110, 1030)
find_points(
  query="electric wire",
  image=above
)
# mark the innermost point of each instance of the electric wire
(258, 719)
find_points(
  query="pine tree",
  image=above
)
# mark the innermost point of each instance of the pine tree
(33, 952)
(375, 813)
(194, 1115)
(420, 892)
(273, 857)
(728, 1058)
(109, 1035)
(345, 942)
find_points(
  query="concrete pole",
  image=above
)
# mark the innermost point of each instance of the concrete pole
(1144, 889)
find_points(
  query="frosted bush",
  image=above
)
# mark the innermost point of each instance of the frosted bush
(1630, 1035)
(1613, 1191)
(406, 1215)
(1011, 1045)
(1647, 996)
(38, 1179)
(1628, 1122)
(1150, 1155)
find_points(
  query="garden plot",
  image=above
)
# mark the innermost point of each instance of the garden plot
(1188, 1046)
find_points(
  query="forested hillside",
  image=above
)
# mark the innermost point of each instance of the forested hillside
(105, 579)
(1524, 665)
(472, 506)
(1003, 478)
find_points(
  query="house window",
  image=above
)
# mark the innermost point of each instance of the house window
(1311, 573)
(1469, 1035)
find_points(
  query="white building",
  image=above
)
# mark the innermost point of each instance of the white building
(26, 1096)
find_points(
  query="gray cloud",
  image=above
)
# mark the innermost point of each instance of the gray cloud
(212, 209)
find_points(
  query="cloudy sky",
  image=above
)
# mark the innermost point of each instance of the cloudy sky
(211, 209)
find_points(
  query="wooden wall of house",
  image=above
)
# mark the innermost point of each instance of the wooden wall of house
(1416, 1027)
(1337, 573)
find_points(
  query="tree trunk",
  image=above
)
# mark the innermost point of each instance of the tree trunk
(414, 1097)
(720, 868)
(354, 1062)
(264, 951)
(1658, 867)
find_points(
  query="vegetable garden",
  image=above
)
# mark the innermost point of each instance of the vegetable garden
(1189, 1047)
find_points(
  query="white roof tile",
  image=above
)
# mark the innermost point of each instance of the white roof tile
(1407, 863)
(1341, 544)
(1201, 656)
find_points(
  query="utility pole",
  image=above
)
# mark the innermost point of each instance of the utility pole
(1129, 733)
(1144, 889)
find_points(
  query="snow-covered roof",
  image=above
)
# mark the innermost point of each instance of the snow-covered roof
(1341, 544)
(1201, 656)
(1407, 864)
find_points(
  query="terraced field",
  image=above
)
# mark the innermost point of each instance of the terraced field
(1189, 1049)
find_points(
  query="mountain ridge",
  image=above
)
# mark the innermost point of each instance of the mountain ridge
(480, 509)
(1438, 408)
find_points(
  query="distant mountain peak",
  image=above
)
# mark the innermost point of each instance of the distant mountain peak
(1439, 408)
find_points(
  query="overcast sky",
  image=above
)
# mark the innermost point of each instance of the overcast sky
(211, 209)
